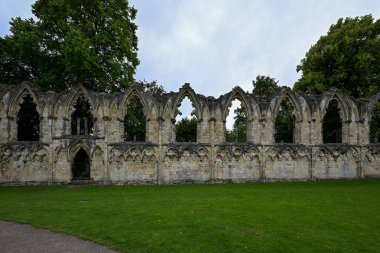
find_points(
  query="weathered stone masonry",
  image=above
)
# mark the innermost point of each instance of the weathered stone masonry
(161, 160)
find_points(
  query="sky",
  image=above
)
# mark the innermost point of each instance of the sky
(216, 45)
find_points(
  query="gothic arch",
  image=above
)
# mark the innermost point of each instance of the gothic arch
(75, 147)
(23, 90)
(239, 94)
(73, 96)
(344, 107)
(292, 98)
(132, 93)
(186, 90)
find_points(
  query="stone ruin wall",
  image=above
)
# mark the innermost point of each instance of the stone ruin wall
(162, 160)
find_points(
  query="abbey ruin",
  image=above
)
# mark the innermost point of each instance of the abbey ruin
(108, 158)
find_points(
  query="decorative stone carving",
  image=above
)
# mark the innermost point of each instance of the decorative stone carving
(161, 160)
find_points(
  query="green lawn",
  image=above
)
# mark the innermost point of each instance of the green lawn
(325, 216)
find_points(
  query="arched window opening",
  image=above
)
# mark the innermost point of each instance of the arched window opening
(82, 120)
(81, 165)
(134, 121)
(186, 122)
(332, 124)
(284, 123)
(374, 124)
(28, 121)
(236, 123)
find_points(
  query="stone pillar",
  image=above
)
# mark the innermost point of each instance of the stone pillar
(12, 129)
(85, 126)
(78, 126)
(46, 125)
(203, 132)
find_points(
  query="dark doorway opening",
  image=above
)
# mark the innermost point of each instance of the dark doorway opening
(81, 165)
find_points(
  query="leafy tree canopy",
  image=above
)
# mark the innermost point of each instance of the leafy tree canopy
(239, 129)
(264, 85)
(134, 121)
(92, 42)
(186, 130)
(348, 58)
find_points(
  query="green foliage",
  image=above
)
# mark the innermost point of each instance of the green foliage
(186, 130)
(374, 124)
(284, 124)
(348, 58)
(92, 42)
(134, 121)
(332, 124)
(28, 121)
(82, 111)
(264, 85)
(239, 130)
(322, 216)
(153, 87)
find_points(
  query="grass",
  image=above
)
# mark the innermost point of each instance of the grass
(325, 216)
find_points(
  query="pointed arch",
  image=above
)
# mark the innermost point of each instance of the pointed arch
(186, 91)
(239, 94)
(275, 104)
(81, 165)
(73, 96)
(134, 112)
(21, 91)
(81, 110)
(344, 111)
(133, 92)
(73, 148)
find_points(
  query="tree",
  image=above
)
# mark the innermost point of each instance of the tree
(82, 115)
(134, 121)
(186, 130)
(347, 58)
(239, 129)
(264, 85)
(284, 123)
(92, 42)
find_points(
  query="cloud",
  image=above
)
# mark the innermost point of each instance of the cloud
(11, 9)
(216, 45)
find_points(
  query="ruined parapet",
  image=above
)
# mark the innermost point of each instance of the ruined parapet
(162, 160)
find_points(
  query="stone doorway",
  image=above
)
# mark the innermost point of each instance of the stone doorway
(81, 166)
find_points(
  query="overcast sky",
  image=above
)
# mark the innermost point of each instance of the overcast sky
(218, 44)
